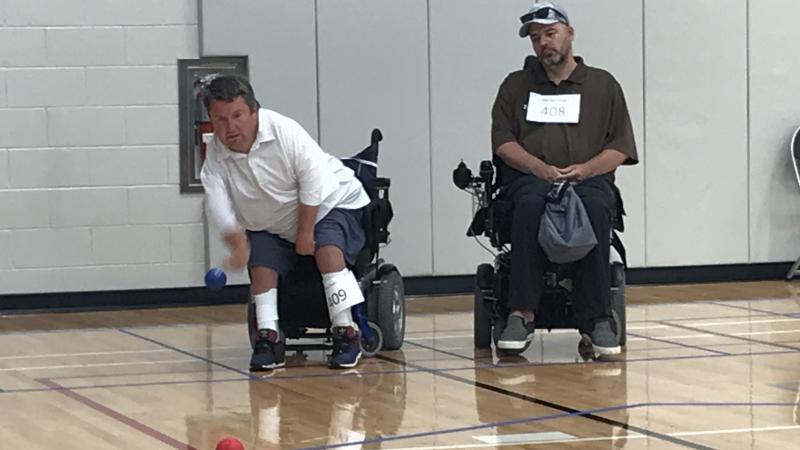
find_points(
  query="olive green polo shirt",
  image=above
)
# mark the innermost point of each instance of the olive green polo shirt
(603, 122)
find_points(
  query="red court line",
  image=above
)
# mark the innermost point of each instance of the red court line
(155, 434)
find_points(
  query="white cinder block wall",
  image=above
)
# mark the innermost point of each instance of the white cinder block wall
(89, 196)
(712, 121)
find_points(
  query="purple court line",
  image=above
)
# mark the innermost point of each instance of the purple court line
(533, 419)
(763, 311)
(192, 355)
(788, 386)
(188, 325)
(471, 427)
(119, 417)
(196, 372)
(392, 372)
(666, 341)
(730, 336)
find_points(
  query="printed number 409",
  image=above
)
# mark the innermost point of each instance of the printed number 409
(337, 297)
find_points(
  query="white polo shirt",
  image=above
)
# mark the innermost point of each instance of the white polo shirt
(261, 189)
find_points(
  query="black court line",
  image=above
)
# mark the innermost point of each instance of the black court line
(730, 336)
(445, 352)
(762, 311)
(552, 405)
(679, 344)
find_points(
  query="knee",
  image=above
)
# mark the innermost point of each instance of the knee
(329, 259)
(529, 206)
(597, 209)
(262, 279)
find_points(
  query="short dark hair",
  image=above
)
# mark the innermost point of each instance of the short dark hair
(227, 88)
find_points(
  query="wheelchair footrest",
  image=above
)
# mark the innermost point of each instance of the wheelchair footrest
(304, 347)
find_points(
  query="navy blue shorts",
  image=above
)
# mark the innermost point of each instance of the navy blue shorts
(341, 228)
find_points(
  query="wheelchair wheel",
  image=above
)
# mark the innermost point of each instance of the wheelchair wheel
(372, 347)
(482, 322)
(482, 333)
(252, 326)
(618, 301)
(392, 310)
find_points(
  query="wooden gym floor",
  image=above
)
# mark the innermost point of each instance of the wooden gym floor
(706, 366)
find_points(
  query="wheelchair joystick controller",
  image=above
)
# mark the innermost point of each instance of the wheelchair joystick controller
(462, 176)
(487, 172)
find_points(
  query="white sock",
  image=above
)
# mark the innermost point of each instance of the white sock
(267, 310)
(343, 319)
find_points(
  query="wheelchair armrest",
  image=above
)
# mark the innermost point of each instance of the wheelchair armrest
(382, 183)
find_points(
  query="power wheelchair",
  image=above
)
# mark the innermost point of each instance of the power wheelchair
(492, 215)
(381, 319)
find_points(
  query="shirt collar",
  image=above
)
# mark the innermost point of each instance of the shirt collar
(578, 75)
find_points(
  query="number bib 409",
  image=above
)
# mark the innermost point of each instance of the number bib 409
(554, 108)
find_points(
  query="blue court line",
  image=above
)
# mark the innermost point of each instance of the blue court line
(533, 419)
(763, 311)
(392, 372)
(666, 341)
(183, 352)
(730, 336)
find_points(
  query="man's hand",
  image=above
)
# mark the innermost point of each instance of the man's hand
(574, 173)
(545, 172)
(240, 250)
(304, 244)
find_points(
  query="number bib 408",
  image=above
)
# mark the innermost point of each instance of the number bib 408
(554, 108)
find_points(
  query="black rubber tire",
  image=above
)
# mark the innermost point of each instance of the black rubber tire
(392, 310)
(251, 323)
(618, 301)
(482, 332)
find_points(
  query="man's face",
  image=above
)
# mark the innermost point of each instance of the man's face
(552, 43)
(235, 124)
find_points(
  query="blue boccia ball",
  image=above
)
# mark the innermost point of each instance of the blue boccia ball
(216, 279)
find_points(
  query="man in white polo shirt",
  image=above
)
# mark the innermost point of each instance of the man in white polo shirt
(275, 194)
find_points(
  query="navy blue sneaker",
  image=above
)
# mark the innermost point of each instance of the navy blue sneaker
(269, 351)
(346, 348)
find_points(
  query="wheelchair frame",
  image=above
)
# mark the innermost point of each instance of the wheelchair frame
(491, 280)
(301, 297)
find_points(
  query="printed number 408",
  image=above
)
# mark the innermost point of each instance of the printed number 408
(553, 111)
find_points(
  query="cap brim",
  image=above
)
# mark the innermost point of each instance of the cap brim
(524, 30)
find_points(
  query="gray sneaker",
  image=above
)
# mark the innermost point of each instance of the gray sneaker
(516, 335)
(604, 341)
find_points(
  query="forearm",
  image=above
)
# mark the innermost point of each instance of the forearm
(307, 218)
(605, 162)
(517, 157)
(234, 238)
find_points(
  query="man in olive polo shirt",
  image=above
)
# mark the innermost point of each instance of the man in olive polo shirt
(559, 119)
